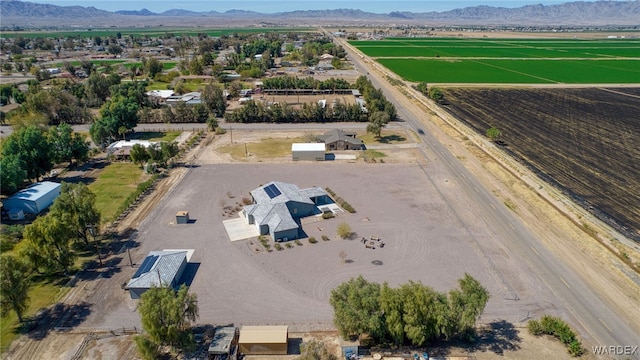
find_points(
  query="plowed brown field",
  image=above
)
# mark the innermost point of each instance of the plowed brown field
(584, 141)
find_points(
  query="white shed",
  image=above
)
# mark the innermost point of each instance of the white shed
(308, 151)
(34, 199)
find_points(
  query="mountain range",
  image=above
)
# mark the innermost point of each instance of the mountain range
(579, 13)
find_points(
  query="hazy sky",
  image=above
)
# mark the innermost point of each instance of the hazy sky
(268, 6)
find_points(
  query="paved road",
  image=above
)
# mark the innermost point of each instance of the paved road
(585, 309)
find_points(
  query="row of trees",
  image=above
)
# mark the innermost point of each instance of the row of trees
(30, 152)
(294, 82)
(412, 313)
(50, 245)
(158, 153)
(256, 112)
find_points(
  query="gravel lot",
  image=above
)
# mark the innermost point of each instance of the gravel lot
(423, 232)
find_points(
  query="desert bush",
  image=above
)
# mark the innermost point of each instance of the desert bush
(325, 238)
(328, 215)
(298, 242)
(312, 240)
(288, 245)
(344, 230)
(247, 200)
(279, 247)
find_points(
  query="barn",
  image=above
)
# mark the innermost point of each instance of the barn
(34, 199)
(308, 151)
(159, 268)
(263, 340)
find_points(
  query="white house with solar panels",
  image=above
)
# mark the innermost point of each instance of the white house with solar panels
(159, 268)
(278, 207)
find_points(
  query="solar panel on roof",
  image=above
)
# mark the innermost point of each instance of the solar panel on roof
(147, 264)
(272, 190)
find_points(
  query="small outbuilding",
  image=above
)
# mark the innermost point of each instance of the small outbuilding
(182, 217)
(34, 199)
(224, 343)
(308, 151)
(263, 340)
(159, 268)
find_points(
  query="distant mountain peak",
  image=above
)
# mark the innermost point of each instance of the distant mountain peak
(585, 13)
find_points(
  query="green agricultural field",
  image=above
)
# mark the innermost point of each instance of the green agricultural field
(516, 71)
(527, 61)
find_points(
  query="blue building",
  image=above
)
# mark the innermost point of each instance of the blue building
(34, 199)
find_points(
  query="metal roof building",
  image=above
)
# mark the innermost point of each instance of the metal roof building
(263, 340)
(159, 268)
(34, 199)
(308, 151)
(277, 206)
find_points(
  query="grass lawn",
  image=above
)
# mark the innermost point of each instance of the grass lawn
(114, 183)
(386, 137)
(41, 295)
(265, 149)
(156, 135)
(157, 85)
(372, 154)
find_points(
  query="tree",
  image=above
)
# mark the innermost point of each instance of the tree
(48, 244)
(166, 315)
(14, 285)
(114, 49)
(436, 94)
(493, 133)
(67, 145)
(377, 121)
(77, 204)
(139, 154)
(357, 309)
(153, 67)
(31, 145)
(344, 230)
(392, 305)
(467, 304)
(122, 111)
(213, 99)
(13, 173)
(315, 350)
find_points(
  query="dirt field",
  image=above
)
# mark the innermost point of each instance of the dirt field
(584, 141)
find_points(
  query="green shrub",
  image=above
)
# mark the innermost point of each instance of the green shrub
(348, 207)
(535, 328)
(559, 329)
(279, 247)
(328, 215)
(312, 240)
(288, 245)
(325, 238)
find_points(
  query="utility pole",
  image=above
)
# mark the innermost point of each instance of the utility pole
(92, 231)
(231, 133)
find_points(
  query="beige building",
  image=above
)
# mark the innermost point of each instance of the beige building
(263, 340)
